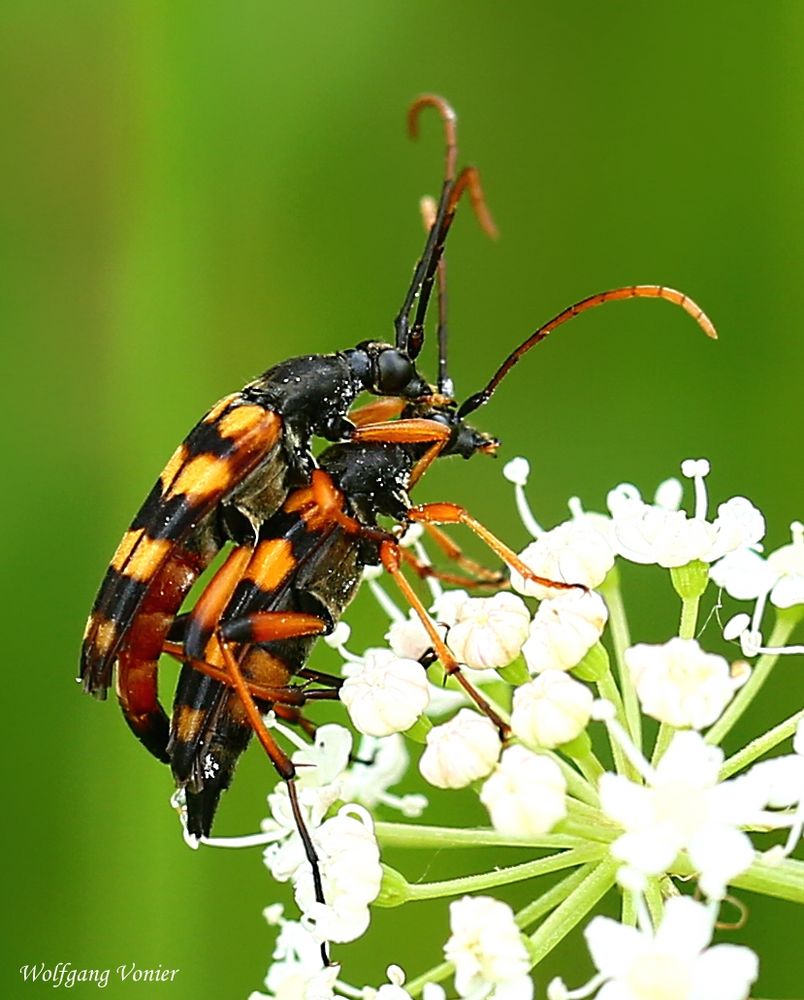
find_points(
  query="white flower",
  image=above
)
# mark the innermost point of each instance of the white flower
(526, 794)
(349, 860)
(788, 565)
(683, 807)
(380, 764)
(460, 751)
(487, 951)
(387, 695)
(573, 552)
(671, 963)
(551, 710)
(489, 631)
(296, 972)
(285, 854)
(743, 574)
(656, 534)
(563, 630)
(680, 684)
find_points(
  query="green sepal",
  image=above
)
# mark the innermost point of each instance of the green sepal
(594, 666)
(515, 673)
(578, 748)
(690, 581)
(394, 888)
(419, 730)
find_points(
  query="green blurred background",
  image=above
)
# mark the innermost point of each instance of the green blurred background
(195, 191)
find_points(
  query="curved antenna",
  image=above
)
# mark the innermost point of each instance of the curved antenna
(450, 122)
(410, 338)
(479, 399)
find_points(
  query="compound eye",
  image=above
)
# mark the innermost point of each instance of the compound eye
(395, 372)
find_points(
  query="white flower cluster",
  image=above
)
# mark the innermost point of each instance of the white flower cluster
(541, 688)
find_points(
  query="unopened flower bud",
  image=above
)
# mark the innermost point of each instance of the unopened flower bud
(551, 710)
(563, 629)
(460, 751)
(489, 631)
(387, 696)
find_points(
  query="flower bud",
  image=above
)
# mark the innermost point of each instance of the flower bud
(489, 631)
(460, 751)
(563, 630)
(572, 552)
(388, 694)
(551, 710)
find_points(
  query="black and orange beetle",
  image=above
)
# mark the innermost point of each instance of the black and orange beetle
(237, 465)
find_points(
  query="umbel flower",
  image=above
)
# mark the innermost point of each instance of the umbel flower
(596, 757)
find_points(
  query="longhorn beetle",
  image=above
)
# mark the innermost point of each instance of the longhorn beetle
(255, 623)
(238, 464)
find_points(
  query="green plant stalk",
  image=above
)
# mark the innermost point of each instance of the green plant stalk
(505, 876)
(574, 908)
(608, 690)
(621, 638)
(654, 901)
(761, 745)
(414, 835)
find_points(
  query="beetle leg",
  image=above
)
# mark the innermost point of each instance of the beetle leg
(452, 513)
(391, 560)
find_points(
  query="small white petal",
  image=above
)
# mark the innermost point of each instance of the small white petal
(526, 794)
(744, 575)
(735, 626)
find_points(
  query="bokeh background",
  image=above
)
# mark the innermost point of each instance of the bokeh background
(194, 191)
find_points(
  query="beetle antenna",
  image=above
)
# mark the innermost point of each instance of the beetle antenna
(410, 338)
(445, 386)
(479, 399)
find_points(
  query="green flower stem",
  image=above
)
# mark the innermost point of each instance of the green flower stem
(621, 637)
(504, 876)
(784, 879)
(550, 899)
(628, 915)
(653, 898)
(785, 623)
(590, 766)
(577, 785)
(761, 745)
(533, 911)
(427, 837)
(608, 689)
(689, 617)
(589, 826)
(574, 908)
(663, 739)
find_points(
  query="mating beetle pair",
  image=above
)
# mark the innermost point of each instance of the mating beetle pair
(302, 531)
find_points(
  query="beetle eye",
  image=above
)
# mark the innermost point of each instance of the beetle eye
(394, 372)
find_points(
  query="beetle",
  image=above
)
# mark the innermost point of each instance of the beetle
(254, 626)
(238, 464)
